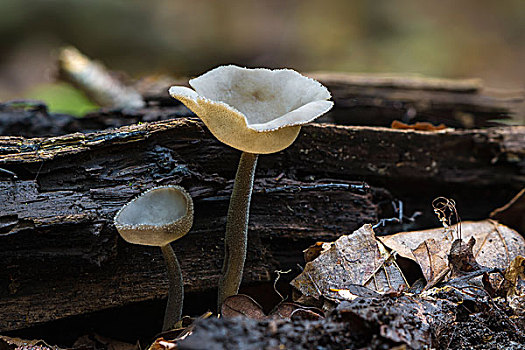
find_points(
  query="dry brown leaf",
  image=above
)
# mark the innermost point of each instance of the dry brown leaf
(313, 251)
(353, 259)
(515, 275)
(461, 260)
(496, 245)
(22, 344)
(286, 310)
(431, 256)
(163, 344)
(242, 305)
(305, 314)
(355, 291)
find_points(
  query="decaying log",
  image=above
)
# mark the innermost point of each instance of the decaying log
(62, 256)
(367, 99)
(378, 99)
(29, 118)
(480, 157)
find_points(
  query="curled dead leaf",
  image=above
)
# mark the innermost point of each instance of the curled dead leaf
(286, 309)
(17, 343)
(305, 314)
(431, 256)
(313, 251)
(163, 344)
(515, 277)
(355, 291)
(461, 257)
(355, 259)
(495, 245)
(242, 305)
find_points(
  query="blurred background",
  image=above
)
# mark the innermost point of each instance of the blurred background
(447, 38)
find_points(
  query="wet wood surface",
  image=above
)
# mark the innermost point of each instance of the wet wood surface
(378, 99)
(61, 255)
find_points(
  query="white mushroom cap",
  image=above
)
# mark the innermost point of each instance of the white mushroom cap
(157, 217)
(254, 110)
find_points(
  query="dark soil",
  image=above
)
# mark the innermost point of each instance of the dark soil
(372, 323)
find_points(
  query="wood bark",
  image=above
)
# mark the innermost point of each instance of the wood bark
(365, 99)
(370, 99)
(62, 256)
(359, 100)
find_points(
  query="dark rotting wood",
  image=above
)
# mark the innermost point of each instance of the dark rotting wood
(62, 256)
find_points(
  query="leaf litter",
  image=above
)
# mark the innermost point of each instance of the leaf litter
(367, 302)
(474, 296)
(244, 305)
(496, 245)
(355, 259)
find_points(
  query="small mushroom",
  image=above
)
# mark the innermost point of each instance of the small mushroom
(156, 218)
(257, 111)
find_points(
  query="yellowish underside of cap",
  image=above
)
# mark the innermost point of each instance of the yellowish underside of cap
(229, 127)
(156, 235)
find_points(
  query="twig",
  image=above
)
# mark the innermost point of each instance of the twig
(473, 274)
(399, 210)
(279, 272)
(9, 172)
(317, 187)
(299, 188)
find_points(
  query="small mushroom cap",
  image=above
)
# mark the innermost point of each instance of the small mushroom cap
(157, 217)
(254, 110)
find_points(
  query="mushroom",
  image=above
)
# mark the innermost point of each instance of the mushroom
(156, 218)
(257, 111)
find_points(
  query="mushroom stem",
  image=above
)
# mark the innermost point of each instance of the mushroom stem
(173, 311)
(236, 237)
